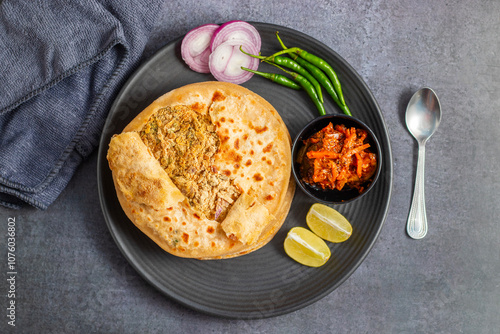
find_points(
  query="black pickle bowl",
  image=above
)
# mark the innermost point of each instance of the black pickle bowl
(329, 196)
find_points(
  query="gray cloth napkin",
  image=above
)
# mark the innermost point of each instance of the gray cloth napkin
(61, 65)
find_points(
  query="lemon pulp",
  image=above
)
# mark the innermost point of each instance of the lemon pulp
(306, 248)
(328, 223)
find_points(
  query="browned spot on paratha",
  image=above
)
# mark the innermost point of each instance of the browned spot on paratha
(198, 106)
(268, 148)
(218, 96)
(258, 177)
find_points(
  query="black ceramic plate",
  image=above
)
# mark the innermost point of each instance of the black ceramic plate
(266, 282)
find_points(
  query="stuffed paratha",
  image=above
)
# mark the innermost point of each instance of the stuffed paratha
(204, 171)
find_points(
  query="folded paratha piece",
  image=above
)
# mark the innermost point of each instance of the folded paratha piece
(205, 171)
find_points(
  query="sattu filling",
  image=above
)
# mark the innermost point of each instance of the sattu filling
(185, 143)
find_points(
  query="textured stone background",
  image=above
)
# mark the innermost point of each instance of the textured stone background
(73, 279)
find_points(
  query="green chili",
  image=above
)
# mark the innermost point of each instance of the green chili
(308, 87)
(320, 63)
(320, 76)
(293, 65)
(277, 78)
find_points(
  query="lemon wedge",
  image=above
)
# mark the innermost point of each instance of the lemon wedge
(306, 248)
(328, 223)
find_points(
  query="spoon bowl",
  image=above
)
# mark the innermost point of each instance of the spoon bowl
(423, 115)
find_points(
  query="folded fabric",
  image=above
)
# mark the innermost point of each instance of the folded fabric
(61, 65)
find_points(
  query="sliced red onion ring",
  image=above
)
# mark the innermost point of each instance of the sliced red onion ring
(195, 47)
(226, 61)
(236, 30)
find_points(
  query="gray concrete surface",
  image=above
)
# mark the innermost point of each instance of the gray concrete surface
(73, 279)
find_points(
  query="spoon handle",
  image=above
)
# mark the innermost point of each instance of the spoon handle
(416, 226)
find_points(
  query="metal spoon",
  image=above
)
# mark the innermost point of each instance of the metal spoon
(423, 115)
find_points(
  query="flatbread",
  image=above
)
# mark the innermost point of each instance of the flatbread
(253, 153)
